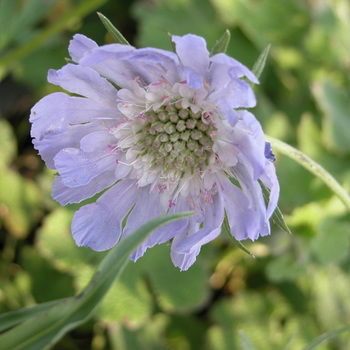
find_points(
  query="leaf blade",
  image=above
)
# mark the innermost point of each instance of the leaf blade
(259, 65)
(325, 337)
(45, 329)
(117, 36)
(221, 44)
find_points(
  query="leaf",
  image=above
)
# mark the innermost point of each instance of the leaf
(221, 44)
(130, 298)
(12, 318)
(332, 241)
(335, 105)
(245, 341)
(117, 36)
(260, 63)
(47, 328)
(21, 203)
(8, 146)
(325, 337)
(19, 52)
(277, 216)
(284, 268)
(17, 19)
(47, 282)
(176, 17)
(175, 291)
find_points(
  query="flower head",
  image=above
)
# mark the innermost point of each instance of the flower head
(158, 132)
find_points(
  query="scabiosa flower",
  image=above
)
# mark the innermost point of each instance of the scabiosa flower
(157, 132)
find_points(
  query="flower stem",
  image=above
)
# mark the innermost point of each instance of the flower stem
(311, 166)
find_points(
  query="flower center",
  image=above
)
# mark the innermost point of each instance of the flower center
(176, 139)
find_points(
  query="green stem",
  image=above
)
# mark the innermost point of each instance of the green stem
(311, 166)
(64, 22)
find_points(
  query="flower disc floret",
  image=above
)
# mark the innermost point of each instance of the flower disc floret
(160, 135)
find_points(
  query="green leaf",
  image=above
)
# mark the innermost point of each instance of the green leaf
(226, 227)
(47, 281)
(221, 44)
(8, 146)
(260, 63)
(55, 242)
(332, 241)
(12, 318)
(325, 337)
(335, 104)
(19, 52)
(245, 341)
(284, 268)
(130, 298)
(45, 329)
(17, 19)
(21, 203)
(117, 36)
(175, 290)
(176, 17)
(277, 216)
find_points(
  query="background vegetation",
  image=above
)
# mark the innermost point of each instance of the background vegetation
(298, 286)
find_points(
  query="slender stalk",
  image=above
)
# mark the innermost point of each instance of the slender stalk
(311, 166)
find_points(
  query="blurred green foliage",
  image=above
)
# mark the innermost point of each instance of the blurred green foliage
(298, 286)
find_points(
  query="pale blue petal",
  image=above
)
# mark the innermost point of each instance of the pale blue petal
(193, 79)
(99, 225)
(163, 234)
(249, 138)
(192, 52)
(86, 82)
(79, 46)
(269, 178)
(52, 114)
(124, 66)
(97, 141)
(50, 145)
(78, 168)
(184, 260)
(241, 216)
(66, 195)
(237, 69)
(213, 219)
(253, 192)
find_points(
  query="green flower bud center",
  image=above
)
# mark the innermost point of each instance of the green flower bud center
(176, 138)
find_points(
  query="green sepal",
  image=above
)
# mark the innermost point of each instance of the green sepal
(221, 44)
(277, 216)
(226, 227)
(173, 46)
(117, 36)
(69, 60)
(259, 65)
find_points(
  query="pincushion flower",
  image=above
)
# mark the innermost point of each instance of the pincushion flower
(156, 132)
